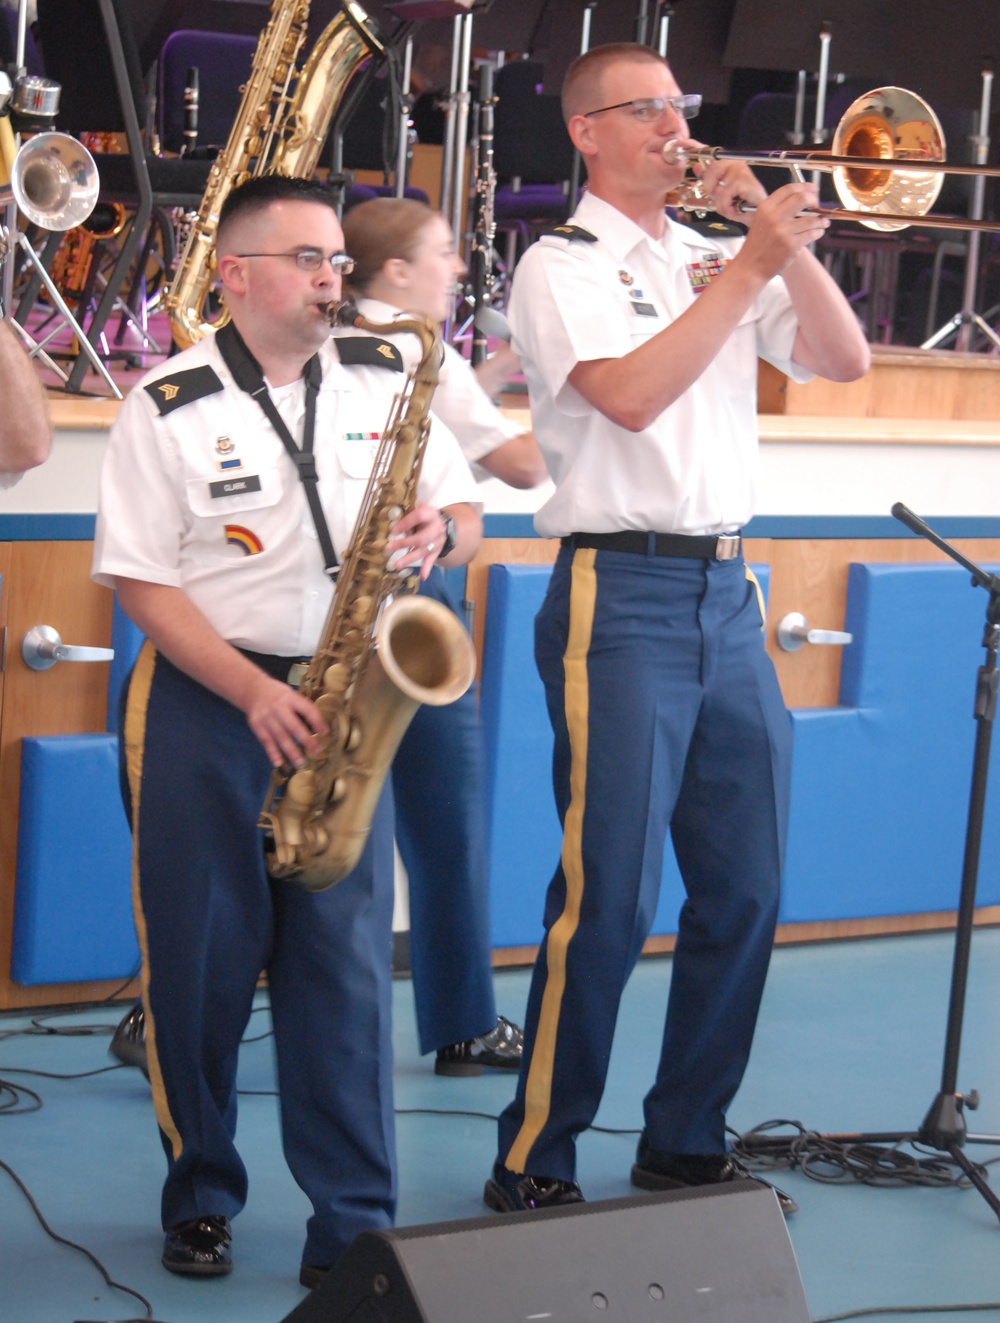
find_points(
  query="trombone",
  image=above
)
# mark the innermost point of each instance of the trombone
(887, 159)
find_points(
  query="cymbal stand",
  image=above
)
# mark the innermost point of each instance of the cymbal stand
(456, 131)
(405, 123)
(576, 168)
(962, 323)
(944, 1126)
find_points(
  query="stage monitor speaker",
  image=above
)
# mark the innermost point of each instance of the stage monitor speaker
(719, 1254)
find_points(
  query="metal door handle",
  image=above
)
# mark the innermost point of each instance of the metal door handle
(793, 631)
(42, 647)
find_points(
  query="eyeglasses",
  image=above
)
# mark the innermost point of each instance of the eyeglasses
(648, 109)
(311, 259)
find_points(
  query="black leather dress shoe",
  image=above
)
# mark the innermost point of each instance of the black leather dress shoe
(128, 1042)
(199, 1247)
(656, 1170)
(500, 1049)
(312, 1274)
(511, 1192)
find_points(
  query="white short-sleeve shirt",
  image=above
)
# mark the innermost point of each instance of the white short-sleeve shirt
(575, 300)
(205, 498)
(459, 400)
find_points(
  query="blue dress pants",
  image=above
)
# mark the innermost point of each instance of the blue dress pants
(667, 717)
(209, 921)
(437, 783)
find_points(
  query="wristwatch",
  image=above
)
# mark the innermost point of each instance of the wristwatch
(450, 536)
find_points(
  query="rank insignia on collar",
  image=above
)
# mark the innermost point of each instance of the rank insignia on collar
(572, 232)
(182, 388)
(367, 351)
(625, 277)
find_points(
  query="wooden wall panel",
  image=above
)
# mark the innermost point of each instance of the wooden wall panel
(47, 583)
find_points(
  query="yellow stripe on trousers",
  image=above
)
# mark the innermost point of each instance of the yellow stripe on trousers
(135, 743)
(538, 1090)
(752, 578)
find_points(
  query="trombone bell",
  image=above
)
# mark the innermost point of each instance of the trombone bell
(53, 181)
(896, 126)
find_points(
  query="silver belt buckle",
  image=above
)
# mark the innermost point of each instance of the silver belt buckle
(295, 673)
(727, 546)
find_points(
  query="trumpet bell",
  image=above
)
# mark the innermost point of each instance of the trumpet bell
(893, 125)
(53, 181)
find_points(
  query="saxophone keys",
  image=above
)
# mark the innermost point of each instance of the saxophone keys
(316, 838)
(353, 737)
(301, 786)
(336, 679)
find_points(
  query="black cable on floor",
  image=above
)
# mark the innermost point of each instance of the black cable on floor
(830, 1160)
(81, 1249)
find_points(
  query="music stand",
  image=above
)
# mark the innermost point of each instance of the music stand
(943, 1127)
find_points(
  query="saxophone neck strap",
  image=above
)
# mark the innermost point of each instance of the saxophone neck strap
(249, 376)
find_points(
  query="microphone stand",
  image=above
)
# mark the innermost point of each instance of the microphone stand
(944, 1127)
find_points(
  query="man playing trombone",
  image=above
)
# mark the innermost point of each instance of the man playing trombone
(639, 339)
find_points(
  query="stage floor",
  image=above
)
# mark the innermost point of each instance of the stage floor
(851, 1037)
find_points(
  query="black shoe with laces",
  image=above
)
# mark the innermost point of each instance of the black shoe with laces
(655, 1169)
(128, 1043)
(511, 1192)
(199, 1247)
(500, 1049)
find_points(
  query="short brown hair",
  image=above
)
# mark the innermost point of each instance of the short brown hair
(581, 86)
(379, 229)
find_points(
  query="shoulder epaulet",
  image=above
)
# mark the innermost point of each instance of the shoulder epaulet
(368, 351)
(711, 226)
(572, 232)
(180, 388)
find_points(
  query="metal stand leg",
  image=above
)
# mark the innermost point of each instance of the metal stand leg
(962, 323)
(59, 302)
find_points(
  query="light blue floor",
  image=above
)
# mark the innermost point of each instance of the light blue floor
(851, 1038)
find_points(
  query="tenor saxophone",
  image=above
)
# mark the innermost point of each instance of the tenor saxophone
(280, 128)
(383, 651)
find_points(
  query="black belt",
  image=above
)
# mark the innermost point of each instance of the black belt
(289, 669)
(726, 546)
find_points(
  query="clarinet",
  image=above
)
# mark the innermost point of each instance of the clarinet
(484, 221)
(190, 133)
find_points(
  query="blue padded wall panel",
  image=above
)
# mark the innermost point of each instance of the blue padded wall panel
(73, 910)
(523, 825)
(881, 784)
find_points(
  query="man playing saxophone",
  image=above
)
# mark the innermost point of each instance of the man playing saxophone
(230, 473)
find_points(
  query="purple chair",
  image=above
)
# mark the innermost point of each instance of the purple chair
(223, 61)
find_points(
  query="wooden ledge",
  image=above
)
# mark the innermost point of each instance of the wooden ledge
(879, 431)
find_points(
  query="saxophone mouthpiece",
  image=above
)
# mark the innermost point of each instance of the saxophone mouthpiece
(342, 314)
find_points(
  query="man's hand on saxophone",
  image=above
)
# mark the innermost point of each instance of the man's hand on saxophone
(426, 535)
